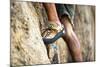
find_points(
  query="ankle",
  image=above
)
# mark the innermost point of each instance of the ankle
(55, 25)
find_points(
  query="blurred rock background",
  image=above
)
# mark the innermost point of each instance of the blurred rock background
(28, 19)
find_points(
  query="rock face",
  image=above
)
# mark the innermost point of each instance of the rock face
(27, 47)
(85, 30)
(28, 19)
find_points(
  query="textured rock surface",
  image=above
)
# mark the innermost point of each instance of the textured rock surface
(27, 23)
(27, 47)
(85, 30)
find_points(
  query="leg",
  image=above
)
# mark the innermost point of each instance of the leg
(66, 13)
(51, 12)
(72, 40)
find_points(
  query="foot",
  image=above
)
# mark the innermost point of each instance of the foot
(52, 33)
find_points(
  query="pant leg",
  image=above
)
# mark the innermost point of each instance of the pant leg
(66, 9)
(70, 9)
